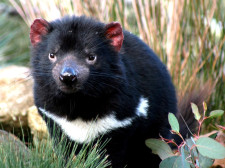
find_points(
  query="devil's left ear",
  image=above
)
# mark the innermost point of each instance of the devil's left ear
(114, 32)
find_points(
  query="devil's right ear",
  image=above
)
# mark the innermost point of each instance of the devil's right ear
(39, 28)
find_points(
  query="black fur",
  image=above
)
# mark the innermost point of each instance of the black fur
(114, 83)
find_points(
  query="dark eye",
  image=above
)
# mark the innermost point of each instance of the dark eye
(91, 58)
(52, 57)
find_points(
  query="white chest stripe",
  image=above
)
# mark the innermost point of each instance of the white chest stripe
(84, 132)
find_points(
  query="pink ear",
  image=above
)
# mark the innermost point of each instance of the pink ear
(38, 29)
(114, 32)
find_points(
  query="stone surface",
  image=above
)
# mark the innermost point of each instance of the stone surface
(37, 125)
(15, 97)
(16, 101)
(15, 144)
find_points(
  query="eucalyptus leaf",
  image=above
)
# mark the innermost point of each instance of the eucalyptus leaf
(173, 122)
(216, 113)
(210, 148)
(193, 152)
(168, 162)
(195, 111)
(189, 142)
(174, 162)
(192, 165)
(181, 163)
(184, 155)
(205, 161)
(197, 163)
(192, 139)
(160, 148)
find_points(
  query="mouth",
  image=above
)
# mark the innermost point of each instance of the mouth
(69, 89)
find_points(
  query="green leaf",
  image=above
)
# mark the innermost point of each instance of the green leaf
(174, 162)
(216, 113)
(173, 122)
(190, 143)
(210, 148)
(168, 162)
(205, 161)
(195, 111)
(160, 148)
(184, 155)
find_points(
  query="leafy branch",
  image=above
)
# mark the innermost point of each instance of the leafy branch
(194, 152)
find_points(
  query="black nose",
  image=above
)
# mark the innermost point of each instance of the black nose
(68, 76)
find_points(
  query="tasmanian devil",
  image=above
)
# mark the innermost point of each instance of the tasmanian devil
(97, 80)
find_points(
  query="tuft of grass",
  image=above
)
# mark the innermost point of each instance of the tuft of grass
(45, 154)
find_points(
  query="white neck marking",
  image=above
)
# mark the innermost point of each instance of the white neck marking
(86, 131)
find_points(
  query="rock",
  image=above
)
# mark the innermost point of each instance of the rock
(37, 125)
(15, 98)
(16, 145)
(17, 108)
